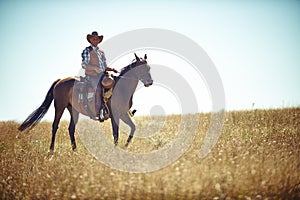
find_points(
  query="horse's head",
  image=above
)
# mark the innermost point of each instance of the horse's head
(142, 70)
(138, 70)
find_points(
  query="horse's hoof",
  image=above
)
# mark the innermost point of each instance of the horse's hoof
(50, 152)
(74, 147)
(51, 149)
(116, 142)
(127, 143)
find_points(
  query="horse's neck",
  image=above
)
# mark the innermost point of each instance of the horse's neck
(127, 85)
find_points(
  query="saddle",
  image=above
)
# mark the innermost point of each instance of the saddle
(85, 94)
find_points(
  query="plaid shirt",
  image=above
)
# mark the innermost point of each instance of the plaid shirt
(86, 58)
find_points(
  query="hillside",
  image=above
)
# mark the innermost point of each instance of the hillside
(256, 157)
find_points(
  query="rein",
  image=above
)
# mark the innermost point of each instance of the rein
(127, 78)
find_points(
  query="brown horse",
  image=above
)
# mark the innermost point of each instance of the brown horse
(62, 91)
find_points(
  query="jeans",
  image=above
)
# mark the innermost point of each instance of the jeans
(94, 80)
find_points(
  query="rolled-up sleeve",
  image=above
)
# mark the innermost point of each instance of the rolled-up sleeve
(85, 57)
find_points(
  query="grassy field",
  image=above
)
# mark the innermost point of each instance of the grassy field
(256, 157)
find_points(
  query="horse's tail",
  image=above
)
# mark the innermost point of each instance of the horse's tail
(35, 117)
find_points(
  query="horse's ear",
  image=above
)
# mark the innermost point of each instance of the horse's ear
(145, 57)
(136, 57)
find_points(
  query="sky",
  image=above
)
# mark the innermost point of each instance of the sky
(254, 45)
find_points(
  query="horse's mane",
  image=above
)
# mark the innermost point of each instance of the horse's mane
(133, 64)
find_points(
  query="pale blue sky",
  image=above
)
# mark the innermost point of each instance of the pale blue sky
(255, 45)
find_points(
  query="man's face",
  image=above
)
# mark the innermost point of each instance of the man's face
(95, 40)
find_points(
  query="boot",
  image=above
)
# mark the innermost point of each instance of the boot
(101, 117)
(105, 113)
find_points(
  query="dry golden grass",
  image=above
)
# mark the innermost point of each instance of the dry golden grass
(257, 157)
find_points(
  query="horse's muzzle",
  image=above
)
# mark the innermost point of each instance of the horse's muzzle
(148, 84)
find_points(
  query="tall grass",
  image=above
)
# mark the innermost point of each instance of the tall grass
(257, 157)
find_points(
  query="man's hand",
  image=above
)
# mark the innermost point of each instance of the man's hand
(98, 71)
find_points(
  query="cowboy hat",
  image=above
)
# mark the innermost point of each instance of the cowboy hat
(94, 34)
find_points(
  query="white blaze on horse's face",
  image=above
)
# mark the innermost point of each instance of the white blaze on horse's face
(144, 74)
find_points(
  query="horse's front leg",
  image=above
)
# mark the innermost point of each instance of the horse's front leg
(126, 119)
(115, 127)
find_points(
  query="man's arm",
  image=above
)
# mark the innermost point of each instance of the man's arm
(92, 69)
(85, 55)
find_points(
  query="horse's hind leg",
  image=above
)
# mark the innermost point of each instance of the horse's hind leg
(126, 119)
(74, 119)
(58, 113)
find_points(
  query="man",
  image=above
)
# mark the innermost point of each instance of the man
(94, 63)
